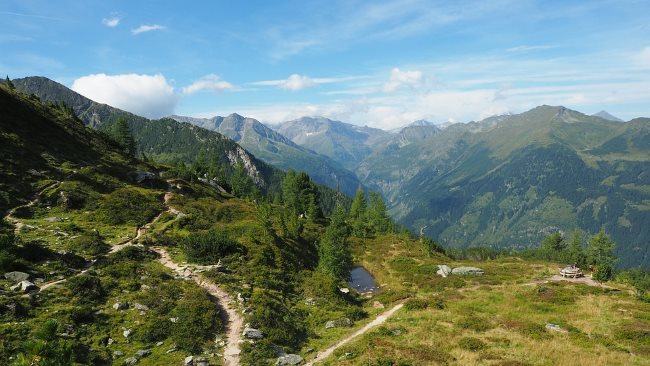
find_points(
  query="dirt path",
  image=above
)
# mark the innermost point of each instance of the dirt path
(233, 320)
(380, 319)
(583, 280)
(9, 216)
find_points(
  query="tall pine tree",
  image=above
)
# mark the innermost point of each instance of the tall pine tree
(124, 136)
(335, 256)
(358, 214)
(377, 214)
(600, 253)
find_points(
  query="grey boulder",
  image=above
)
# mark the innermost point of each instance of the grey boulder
(24, 286)
(17, 276)
(289, 359)
(443, 270)
(252, 333)
(463, 271)
(345, 322)
(130, 361)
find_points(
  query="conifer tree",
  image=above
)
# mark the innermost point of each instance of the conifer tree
(124, 136)
(576, 253)
(335, 256)
(600, 253)
(358, 215)
(377, 214)
(10, 83)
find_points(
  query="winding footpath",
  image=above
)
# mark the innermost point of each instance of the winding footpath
(380, 319)
(233, 321)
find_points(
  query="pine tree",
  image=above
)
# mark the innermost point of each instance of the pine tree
(377, 214)
(335, 256)
(600, 253)
(553, 247)
(10, 84)
(576, 253)
(358, 214)
(124, 136)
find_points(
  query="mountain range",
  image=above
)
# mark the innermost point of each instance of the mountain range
(505, 181)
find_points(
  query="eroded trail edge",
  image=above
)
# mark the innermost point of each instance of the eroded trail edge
(233, 321)
(380, 319)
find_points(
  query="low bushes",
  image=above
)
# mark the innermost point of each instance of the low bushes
(128, 206)
(471, 344)
(209, 246)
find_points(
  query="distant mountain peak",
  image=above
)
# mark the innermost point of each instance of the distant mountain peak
(606, 115)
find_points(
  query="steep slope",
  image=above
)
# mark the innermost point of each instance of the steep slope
(275, 149)
(512, 181)
(164, 140)
(345, 143)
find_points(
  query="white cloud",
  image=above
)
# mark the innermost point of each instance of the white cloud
(146, 95)
(643, 57)
(399, 78)
(147, 28)
(210, 82)
(111, 22)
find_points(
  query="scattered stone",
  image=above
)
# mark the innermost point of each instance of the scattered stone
(189, 361)
(345, 322)
(130, 361)
(309, 350)
(53, 219)
(173, 320)
(241, 298)
(345, 290)
(121, 305)
(377, 305)
(39, 280)
(141, 307)
(556, 328)
(346, 355)
(171, 350)
(311, 301)
(396, 331)
(110, 341)
(117, 354)
(462, 271)
(201, 361)
(143, 353)
(443, 270)
(252, 333)
(158, 344)
(17, 276)
(127, 333)
(290, 359)
(24, 286)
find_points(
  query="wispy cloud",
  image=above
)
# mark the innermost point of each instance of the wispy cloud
(297, 82)
(38, 16)
(209, 82)
(112, 21)
(525, 48)
(147, 28)
(14, 38)
(642, 58)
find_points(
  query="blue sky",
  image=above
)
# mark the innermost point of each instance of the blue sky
(377, 63)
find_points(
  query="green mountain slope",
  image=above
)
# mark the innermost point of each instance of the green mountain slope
(511, 182)
(345, 143)
(277, 150)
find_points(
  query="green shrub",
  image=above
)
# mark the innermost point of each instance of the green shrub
(475, 323)
(416, 304)
(208, 247)
(86, 288)
(89, 244)
(136, 254)
(128, 206)
(154, 329)
(24, 212)
(197, 322)
(471, 344)
(356, 313)
(281, 324)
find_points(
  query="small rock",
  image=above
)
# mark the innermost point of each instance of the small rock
(311, 301)
(290, 359)
(127, 333)
(462, 271)
(443, 270)
(252, 333)
(309, 350)
(188, 361)
(141, 307)
(143, 353)
(556, 328)
(158, 344)
(53, 219)
(24, 286)
(117, 354)
(171, 350)
(110, 341)
(345, 322)
(39, 280)
(240, 298)
(121, 305)
(130, 361)
(173, 320)
(396, 331)
(377, 305)
(201, 361)
(17, 276)
(345, 290)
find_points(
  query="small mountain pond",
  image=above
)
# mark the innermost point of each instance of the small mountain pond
(362, 280)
